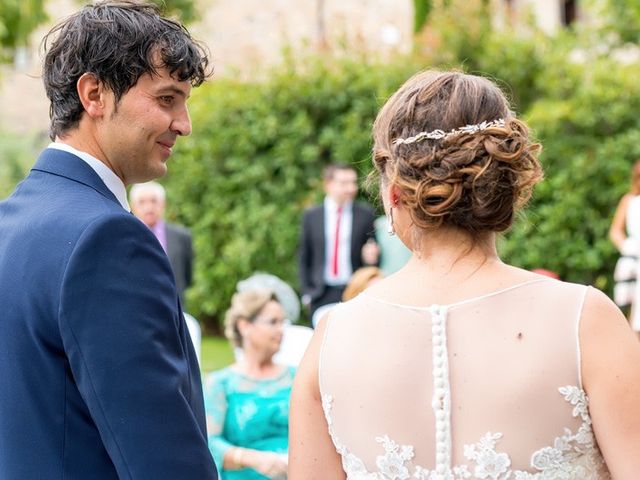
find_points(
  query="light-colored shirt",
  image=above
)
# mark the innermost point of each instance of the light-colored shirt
(110, 179)
(345, 269)
(160, 232)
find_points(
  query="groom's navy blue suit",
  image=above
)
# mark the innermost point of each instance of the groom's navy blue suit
(98, 378)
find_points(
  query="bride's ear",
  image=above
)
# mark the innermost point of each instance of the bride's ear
(391, 197)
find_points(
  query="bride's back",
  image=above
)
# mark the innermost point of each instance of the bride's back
(478, 388)
(459, 366)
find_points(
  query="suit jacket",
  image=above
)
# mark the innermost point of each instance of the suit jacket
(98, 376)
(180, 253)
(312, 253)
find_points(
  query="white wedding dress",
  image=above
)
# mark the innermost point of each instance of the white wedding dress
(487, 388)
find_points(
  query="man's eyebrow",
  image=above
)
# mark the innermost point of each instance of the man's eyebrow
(172, 89)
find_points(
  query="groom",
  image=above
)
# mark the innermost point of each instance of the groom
(98, 376)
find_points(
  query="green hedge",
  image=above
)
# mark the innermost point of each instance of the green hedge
(17, 154)
(590, 138)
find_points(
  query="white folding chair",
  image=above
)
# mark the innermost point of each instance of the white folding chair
(194, 332)
(295, 340)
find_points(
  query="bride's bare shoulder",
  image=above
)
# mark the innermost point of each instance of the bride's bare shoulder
(610, 376)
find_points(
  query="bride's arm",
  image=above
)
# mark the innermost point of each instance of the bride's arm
(312, 455)
(611, 378)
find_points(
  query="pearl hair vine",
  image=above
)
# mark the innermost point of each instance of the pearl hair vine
(440, 134)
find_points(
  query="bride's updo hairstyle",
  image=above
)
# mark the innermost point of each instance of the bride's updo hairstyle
(451, 145)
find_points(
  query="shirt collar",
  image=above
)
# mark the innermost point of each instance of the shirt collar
(330, 204)
(158, 227)
(110, 179)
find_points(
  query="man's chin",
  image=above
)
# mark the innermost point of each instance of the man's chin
(160, 169)
(157, 172)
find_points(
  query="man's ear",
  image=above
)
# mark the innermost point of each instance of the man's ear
(91, 92)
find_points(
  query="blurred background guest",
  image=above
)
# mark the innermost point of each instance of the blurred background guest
(625, 235)
(360, 280)
(337, 238)
(393, 253)
(247, 403)
(295, 338)
(148, 203)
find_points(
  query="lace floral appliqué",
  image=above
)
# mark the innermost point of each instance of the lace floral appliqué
(573, 456)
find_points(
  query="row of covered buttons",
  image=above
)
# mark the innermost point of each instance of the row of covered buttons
(440, 402)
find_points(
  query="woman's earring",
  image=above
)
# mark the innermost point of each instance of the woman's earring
(390, 229)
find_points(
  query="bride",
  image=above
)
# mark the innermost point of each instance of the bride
(460, 366)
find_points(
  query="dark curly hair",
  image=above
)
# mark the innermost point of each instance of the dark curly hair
(118, 42)
(471, 181)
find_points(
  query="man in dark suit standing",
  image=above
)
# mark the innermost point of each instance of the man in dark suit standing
(99, 378)
(337, 238)
(148, 202)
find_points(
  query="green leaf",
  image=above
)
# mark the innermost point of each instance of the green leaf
(421, 9)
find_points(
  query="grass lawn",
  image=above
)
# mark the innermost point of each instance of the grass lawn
(216, 353)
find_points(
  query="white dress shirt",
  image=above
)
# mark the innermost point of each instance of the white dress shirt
(110, 179)
(345, 268)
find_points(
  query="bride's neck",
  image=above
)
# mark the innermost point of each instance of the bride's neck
(453, 253)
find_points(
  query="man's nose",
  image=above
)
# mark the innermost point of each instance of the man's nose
(182, 123)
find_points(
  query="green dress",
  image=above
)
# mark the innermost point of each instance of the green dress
(248, 413)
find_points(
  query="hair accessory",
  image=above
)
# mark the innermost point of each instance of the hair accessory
(439, 134)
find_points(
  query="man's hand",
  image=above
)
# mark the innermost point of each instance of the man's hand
(305, 300)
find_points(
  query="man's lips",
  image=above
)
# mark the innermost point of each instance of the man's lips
(167, 145)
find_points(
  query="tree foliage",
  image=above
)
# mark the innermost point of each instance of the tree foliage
(421, 11)
(617, 21)
(17, 154)
(185, 10)
(18, 18)
(591, 138)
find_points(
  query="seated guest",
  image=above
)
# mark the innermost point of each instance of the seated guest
(360, 281)
(247, 403)
(295, 338)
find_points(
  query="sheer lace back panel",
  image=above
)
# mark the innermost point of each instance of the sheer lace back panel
(486, 388)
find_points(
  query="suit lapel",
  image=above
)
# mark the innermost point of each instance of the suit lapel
(355, 237)
(65, 164)
(320, 238)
